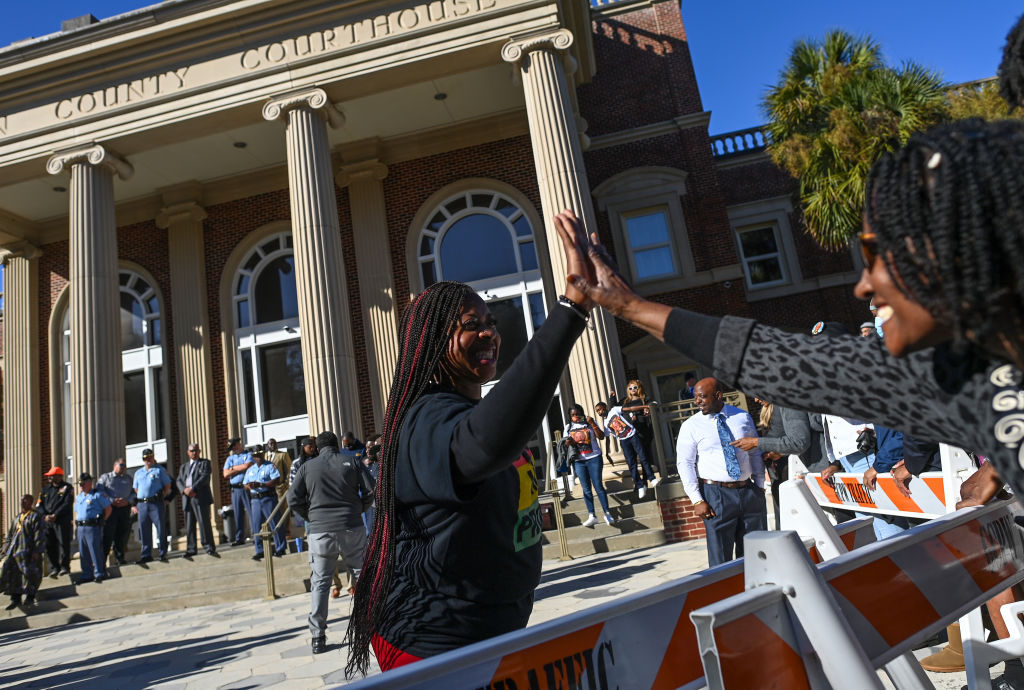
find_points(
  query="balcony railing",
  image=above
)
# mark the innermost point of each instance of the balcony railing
(739, 142)
(603, 3)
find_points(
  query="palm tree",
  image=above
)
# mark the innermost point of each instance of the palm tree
(836, 109)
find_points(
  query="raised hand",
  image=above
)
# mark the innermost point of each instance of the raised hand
(574, 243)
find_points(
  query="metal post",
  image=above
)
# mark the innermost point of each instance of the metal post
(268, 558)
(659, 442)
(551, 485)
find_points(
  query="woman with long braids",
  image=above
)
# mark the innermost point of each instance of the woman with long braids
(943, 247)
(455, 553)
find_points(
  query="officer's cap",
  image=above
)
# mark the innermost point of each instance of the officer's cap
(257, 449)
(147, 452)
(84, 477)
(232, 441)
(54, 471)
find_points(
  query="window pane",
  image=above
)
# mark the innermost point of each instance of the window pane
(243, 284)
(158, 400)
(537, 313)
(154, 305)
(456, 205)
(437, 221)
(426, 245)
(477, 246)
(275, 295)
(482, 200)
(248, 391)
(132, 335)
(271, 246)
(529, 254)
(758, 242)
(653, 262)
(506, 209)
(154, 332)
(141, 287)
(124, 278)
(512, 326)
(135, 430)
(522, 226)
(764, 271)
(429, 276)
(243, 314)
(253, 262)
(648, 229)
(282, 385)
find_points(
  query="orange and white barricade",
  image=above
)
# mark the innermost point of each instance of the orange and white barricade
(799, 625)
(932, 494)
(643, 640)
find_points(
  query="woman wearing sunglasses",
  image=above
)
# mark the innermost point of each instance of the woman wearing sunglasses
(943, 248)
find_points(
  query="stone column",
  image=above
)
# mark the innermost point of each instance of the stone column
(182, 217)
(22, 448)
(97, 388)
(595, 366)
(332, 391)
(376, 282)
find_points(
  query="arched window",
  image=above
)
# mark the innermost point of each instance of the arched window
(270, 381)
(142, 365)
(485, 238)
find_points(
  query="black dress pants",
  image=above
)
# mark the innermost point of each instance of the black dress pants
(58, 545)
(116, 531)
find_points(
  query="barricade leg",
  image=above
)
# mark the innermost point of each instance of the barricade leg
(780, 558)
(972, 633)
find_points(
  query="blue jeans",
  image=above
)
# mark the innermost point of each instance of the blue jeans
(589, 472)
(885, 525)
(633, 449)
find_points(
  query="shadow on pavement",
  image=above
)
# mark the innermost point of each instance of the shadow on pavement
(590, 581)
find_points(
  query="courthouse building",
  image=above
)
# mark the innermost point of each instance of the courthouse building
(212, 212)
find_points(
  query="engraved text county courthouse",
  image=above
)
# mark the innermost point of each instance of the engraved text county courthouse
(213, 211)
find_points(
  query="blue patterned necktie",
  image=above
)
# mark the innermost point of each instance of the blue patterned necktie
(732, 465)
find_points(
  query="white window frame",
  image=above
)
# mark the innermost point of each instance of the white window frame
(255, 336)
(778, 255)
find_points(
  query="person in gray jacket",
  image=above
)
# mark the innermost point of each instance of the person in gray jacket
(784, 432)
(330, 492)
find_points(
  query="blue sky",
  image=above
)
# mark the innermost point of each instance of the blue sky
(738, 46)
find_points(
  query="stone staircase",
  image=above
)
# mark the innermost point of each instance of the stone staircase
(637, 522)
(153, 587)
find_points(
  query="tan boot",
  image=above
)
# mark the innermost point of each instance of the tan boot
(950, 658)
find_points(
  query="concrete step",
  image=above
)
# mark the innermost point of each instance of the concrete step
(604, 544)
(153, 589)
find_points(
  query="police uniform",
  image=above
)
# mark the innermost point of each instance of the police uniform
(149, 486)
(262, 502)
(239, 494)
(57, 500)
(90, 508)
(119, 525)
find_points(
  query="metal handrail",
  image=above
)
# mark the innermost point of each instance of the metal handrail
(266, 533)
(551, 487)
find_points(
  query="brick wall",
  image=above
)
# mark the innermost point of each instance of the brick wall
(681, 524)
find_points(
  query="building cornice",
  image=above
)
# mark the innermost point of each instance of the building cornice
(655, 129)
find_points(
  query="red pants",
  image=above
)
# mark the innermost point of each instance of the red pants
(389, 657)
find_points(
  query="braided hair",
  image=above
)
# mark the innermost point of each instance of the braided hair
(948, 213)
(426, 328)
(1011, 69)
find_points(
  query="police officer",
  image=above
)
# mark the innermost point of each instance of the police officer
(260, 479)
(117, 485)
(55, 504)
(92, 508)
(152, 484)
(238, 463)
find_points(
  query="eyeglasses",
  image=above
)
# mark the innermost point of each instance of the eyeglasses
(868, 242)
(634, 388)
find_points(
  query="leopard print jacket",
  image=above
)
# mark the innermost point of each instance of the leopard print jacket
(966, 400)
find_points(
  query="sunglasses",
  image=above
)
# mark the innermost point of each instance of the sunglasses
(868, 242)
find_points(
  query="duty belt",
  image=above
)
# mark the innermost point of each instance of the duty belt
(151, 499)
(261, 494)
(88, 523)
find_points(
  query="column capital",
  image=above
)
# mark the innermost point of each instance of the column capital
(518, 48)
(371, 169)
(19, 250)
(184, 211)
(92, 154)
(315, 99)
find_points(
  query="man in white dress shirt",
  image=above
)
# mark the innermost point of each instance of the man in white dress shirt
(724, 483)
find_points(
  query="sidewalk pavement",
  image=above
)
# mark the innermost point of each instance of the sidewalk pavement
(265, 644)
